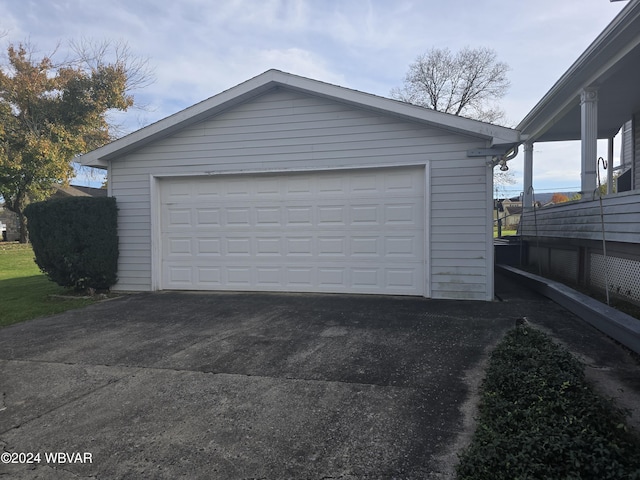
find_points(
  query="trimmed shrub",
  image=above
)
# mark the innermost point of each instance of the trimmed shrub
(75, 240)
(539, 418)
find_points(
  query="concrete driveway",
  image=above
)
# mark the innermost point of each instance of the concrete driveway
(230, 386)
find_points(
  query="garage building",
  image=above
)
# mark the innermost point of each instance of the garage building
(284, 183)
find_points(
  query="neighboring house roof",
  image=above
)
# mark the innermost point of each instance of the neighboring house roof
(78, 191)
(513, 210)
(272, 79)
(611, 64)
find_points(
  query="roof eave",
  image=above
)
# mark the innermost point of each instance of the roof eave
(594, 62)
(100, 157)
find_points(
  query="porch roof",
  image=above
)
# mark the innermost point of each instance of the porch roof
(612, 65)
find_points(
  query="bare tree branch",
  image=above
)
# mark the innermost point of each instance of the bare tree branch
(467, 83)
(94, 54)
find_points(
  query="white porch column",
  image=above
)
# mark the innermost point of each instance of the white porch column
(609, 167)
(527, 197)
(589, 136)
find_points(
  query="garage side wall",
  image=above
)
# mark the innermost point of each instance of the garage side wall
(285, 130)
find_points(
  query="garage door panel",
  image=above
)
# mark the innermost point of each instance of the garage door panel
(365, 214)
(180, 275)
(237, 216)
(366, 184)
(365, 246)
(299, 216)
(239, 276)
(272, 277)
(332, 246)
(398, 183)
(332, 185)
(299, 276)
(208, 247)
(331, 215)
(405, 246)
(400, 278)
(298, 246)
(400, 214)
(269, 276)
(235, 188)
(179, 217)
(352, 231)
(238, 246)
(177, 192)
(207, 217)
(365, 278)
(209, 277)
(268, 246)
(298, 186)
(332, 278)
(268, 216)
(177, 247)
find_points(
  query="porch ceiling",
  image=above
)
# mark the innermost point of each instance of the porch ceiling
(612, 65)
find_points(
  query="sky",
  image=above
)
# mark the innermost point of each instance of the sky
(199, 48)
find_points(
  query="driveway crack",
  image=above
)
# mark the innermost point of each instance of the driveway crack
(72, 399)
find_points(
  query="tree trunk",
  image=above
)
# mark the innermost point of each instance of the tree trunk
(17, 206)
(24, 232)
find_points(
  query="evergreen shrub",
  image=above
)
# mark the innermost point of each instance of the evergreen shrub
(540, 419)
(75, 240)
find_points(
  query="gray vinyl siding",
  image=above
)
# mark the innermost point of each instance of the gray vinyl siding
(285, 130)
(459, 216)
(581, 220)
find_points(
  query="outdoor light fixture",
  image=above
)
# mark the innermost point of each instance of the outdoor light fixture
(499, 156)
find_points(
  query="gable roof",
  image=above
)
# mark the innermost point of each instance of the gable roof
(612, 65)
(79, 191)
(272, 79)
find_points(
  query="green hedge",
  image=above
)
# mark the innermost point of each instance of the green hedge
(540, 419)
(75, 240)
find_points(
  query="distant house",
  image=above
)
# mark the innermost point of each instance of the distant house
(508, 211)
(62, 191)
(9, 222)
(285, 183)
(512, 215)
(596, 98)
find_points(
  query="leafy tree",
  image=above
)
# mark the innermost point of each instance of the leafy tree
(559, 198)
(602, 189)
(50, 113)
(466, 83)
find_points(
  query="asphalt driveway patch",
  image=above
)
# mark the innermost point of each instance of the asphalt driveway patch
(225, 385)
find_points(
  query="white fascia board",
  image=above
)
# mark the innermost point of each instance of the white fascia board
(181, 119)
(495, 133)
(275, 78)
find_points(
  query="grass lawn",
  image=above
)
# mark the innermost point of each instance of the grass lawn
(25, 292)
(505, 232)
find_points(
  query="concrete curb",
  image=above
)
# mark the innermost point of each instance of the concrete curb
(618, 325)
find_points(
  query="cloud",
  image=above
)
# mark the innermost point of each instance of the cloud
(202, 47)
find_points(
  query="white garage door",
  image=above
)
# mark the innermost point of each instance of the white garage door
(355, 231)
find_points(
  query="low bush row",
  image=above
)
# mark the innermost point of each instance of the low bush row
(540, 419)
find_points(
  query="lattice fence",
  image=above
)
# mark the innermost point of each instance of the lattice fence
(624, 275)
